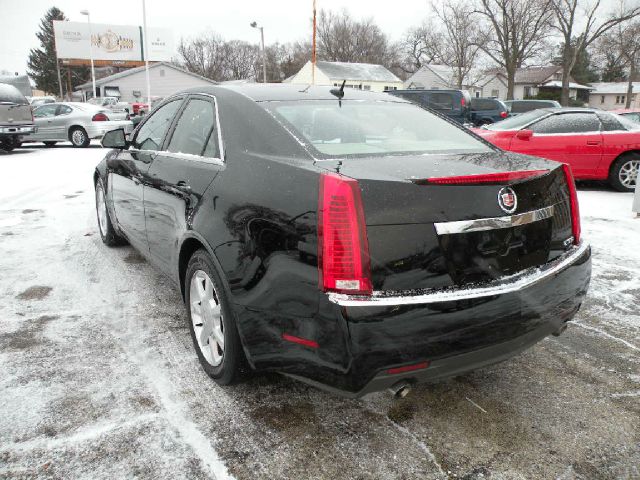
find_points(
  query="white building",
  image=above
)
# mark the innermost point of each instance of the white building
(363, 76)
(131, 85)
(493, 83)
(613, 95)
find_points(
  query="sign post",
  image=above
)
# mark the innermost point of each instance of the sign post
(636, 198)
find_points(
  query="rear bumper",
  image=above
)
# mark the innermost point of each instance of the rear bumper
(12, 130)
(455, 331)
(97, 129)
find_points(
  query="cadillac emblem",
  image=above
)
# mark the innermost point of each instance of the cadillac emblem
(507, 200)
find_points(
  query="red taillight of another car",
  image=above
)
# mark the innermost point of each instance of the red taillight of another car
(504, 114)
(343, 249)
(573, 199)
(100, 117)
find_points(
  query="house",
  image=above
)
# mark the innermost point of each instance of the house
(131, 85)
(363, 76)
(531, 81)
(438, 77)
(612, 95)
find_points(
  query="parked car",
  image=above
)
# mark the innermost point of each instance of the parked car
(516, 107)
(73, 122)
(487, 110)
(356, 245)
(36, 101)
(455, 104)
(119, 110)
(16, 119)
(632, 114)
(597, 144)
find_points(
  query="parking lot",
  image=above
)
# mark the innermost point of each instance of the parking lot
(100, 378)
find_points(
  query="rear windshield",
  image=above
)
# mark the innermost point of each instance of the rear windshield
(378, 128)
(527, 106)
(517, 122)
(11, 95)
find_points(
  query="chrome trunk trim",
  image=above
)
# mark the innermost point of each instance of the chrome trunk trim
(509, 284)
(493, 223)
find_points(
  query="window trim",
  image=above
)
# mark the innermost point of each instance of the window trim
(188, 156)
(136, 132)
(590, 132)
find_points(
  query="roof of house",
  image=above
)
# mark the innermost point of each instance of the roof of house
(558, 84)
(132, 71)
(603, 88)
(356, 71)
(535, 74)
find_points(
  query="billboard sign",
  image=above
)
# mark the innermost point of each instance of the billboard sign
(116, 43)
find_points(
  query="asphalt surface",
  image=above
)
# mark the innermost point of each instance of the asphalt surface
(99, 378)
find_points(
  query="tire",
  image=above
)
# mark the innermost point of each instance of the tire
(108, 234)
(7, 147)
(486, 121)
(223, 362)
(79, 138)
(624, 172)
(49, 144)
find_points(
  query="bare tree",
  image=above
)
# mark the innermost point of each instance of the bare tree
(578, 33)
(203, 55)
(240, 59)
(623, 42)
(421, 45)
(517, 32)
(462, 37)
(341, 38)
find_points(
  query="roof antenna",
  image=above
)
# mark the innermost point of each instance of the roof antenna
(338, 92)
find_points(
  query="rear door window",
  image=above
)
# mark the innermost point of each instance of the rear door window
(64, 110)
(441, 101)
(567, 123)
(45, 111)
(152, 132)
(195, 132)
(483, 104)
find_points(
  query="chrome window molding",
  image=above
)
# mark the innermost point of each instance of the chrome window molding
(493, 223)
(510, 284)
(187, 156)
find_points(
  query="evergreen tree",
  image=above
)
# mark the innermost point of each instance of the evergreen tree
(583, 71)
(614, 69)
(42, 61)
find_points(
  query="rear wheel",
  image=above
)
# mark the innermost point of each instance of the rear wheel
(211, 321)
(79, 137)
(108, 234)
(49, 144)
(624, 172)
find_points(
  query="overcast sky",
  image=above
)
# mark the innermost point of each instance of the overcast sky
(283, 20)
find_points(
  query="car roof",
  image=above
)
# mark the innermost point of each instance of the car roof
(261, 92)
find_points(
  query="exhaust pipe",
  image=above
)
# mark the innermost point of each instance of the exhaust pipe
(400, 389)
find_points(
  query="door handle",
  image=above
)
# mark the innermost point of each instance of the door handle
(593, 143)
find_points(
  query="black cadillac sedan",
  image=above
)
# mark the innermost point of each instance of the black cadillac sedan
(355, 243)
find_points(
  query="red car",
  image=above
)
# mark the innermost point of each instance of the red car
(598, 145)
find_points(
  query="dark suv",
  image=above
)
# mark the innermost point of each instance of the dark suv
(455, 104)
(16, 118)
(487, 110)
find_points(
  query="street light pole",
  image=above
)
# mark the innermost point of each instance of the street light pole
(146, 54)
(93, 73)
(264, 55)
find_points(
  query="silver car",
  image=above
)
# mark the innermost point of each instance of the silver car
(73, 122)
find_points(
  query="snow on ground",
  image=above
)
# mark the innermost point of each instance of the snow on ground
(99, 377)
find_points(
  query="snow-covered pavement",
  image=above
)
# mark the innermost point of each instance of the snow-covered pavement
(99, 378)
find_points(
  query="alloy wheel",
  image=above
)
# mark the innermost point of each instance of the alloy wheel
(77, 137)
(101, 207)
(628, 173)
(206, 315)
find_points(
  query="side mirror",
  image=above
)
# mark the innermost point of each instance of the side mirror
(115, 139)
(524, 134)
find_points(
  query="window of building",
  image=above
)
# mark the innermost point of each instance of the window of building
(195, 132)
(601, 98)
(620, 98)
(162, 72)
(367, 87)
(495, 93)
(527, 91)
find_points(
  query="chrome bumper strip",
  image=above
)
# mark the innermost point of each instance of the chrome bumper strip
(510, 284)
(465, 226)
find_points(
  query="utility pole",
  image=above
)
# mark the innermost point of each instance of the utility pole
(146, 54)
(93, 73)
(264, 55)
(313, 47)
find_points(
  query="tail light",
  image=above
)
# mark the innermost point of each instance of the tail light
(486, 178)
(573, 199)
(343, 249)
(100, 117)
(504, 114)
(408, 368)
(462, 102)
